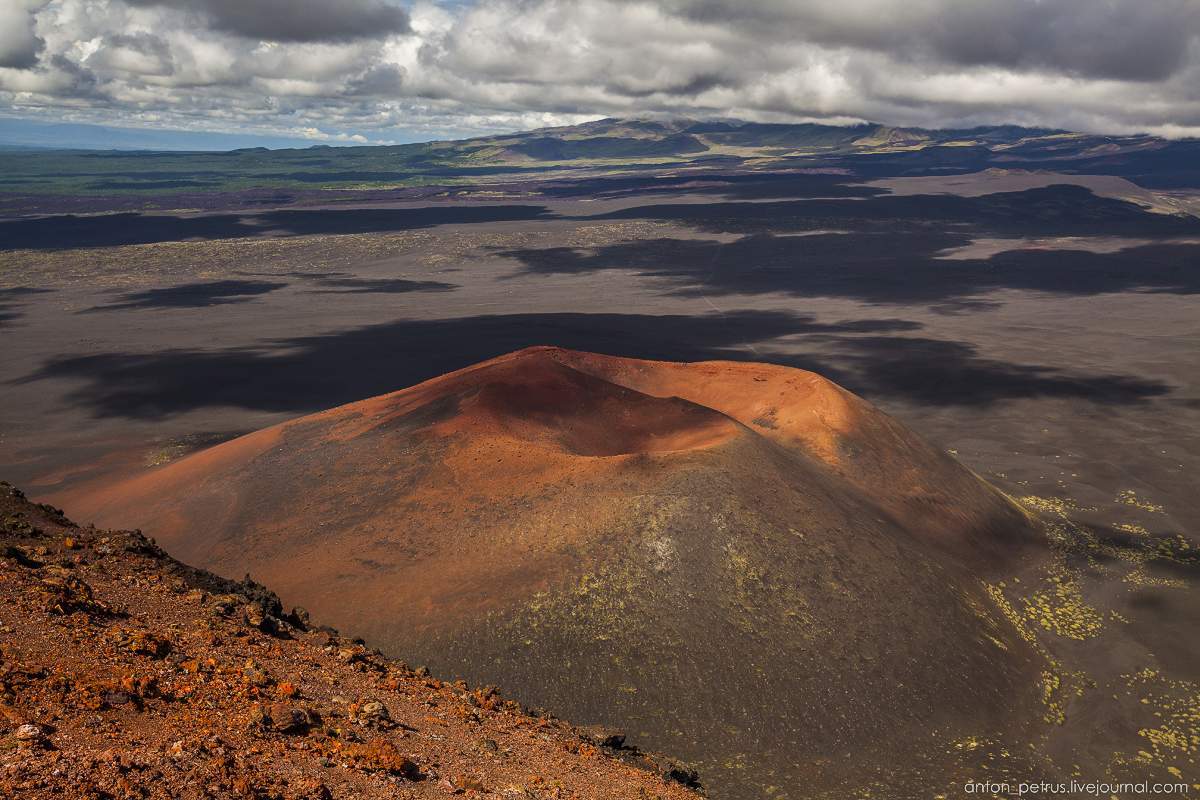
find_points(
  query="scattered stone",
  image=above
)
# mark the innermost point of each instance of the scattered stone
(21, 556)
(370, 712)
(458, 784)
(608, 738)
(19, 525)
(141, 642)
(381, 755)
(225, 604)
(29, 732)
(283, 717)
(272, 626)
(253, 674)
(65, 594)
(682, 774)
(259, 717)
(129, 690)
(314, 790)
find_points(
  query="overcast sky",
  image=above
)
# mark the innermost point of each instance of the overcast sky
(383, 70)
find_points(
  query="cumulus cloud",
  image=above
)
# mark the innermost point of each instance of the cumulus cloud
(344, 68)
(134, 54)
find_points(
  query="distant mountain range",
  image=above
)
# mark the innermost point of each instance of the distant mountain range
(689, 138)
(612, 146)
(871, 146)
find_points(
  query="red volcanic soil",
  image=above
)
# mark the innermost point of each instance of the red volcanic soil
(125, 674)
(744, 565)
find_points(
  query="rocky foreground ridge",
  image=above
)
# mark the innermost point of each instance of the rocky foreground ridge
(125, 674)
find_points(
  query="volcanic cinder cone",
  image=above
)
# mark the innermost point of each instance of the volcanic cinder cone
(741, 565)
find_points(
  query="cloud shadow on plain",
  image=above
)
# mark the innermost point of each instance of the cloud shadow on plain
(111, 230)
(11, 300)
(191, 295)
(310, 373)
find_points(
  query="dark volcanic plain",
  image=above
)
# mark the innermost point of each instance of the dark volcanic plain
(1047, 336)
(1037, 323)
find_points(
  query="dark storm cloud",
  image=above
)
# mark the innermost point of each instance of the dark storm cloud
(19, 42)
(296, 20)
(1121, 39)
(379, 81)
(21, 57)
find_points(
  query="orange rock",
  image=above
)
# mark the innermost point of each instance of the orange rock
(381, 754)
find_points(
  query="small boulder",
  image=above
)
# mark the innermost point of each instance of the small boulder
(225, 604)
(253, 674)
(381, 755)
(289, 718)
(30, 734)
(370, 712)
